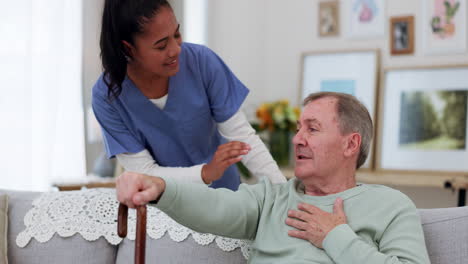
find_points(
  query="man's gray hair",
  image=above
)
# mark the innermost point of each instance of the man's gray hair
(353, 117)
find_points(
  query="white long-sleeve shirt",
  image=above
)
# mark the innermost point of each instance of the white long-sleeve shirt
(237, 128)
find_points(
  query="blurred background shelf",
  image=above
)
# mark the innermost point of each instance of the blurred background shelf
(457, 183)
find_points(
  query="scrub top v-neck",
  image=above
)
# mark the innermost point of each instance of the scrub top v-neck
(184, 133)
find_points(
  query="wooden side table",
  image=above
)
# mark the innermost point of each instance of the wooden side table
(79, 186)
(460, 184)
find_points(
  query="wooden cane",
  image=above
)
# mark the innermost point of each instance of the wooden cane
(140, 240)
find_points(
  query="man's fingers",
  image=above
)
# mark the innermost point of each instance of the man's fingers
(299, 215)
(124, 195)
(298, 234)
(338, 207)
(144, 196)
(308, 208)
(129, 203)
(127, 185)
(296, 223)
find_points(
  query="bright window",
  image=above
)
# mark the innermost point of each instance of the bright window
(41, 112)
(195, 21)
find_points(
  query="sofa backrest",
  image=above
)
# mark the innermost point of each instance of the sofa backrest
(166, 250)
(446, 234)
(445, 229)
(58, 249)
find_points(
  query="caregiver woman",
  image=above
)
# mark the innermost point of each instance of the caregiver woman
(168, 107)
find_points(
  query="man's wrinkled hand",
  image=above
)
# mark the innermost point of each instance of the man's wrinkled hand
(134, 189)
(314, 224)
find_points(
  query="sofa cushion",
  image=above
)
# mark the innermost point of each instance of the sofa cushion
(3, 228)
(446, 234)
(165, 250)
(73, 249)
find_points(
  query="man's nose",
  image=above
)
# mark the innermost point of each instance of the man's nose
(298, 139)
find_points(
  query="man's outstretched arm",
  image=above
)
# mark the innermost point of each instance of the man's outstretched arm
(203, 209)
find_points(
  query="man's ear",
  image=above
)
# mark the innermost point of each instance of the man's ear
(128, 48)
(353, 144)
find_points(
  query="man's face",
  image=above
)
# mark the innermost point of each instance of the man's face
(319, 145)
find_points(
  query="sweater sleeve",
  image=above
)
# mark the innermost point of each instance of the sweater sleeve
(401, 242)
(217, 211)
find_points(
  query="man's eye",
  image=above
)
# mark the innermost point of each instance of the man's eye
(312, 129)
(161, 48)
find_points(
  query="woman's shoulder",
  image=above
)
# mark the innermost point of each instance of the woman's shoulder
(196, 51)
(194, 48)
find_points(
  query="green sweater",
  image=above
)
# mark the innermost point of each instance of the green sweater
(383, 224)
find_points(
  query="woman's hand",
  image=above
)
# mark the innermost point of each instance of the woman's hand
(226, 155)
(134, 189)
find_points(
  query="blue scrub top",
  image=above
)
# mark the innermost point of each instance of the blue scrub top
(184, 133)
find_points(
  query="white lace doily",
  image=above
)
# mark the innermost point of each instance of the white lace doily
(92, 213)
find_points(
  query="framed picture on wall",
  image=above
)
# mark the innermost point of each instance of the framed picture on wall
(444, 26)
(351, 72)
(364, 18)
(402, 35)
(424, 120)
(329, 22)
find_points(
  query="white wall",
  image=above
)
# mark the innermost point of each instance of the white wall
(265, 38)
(92, 68)
(262, 42)
(236, 31)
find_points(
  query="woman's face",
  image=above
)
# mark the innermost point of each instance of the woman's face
(156, 50)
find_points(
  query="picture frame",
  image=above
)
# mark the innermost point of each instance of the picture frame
(444, 26)
(364, 18)
(353, 72)
(402, 35)
(424, 113)
(329, 19)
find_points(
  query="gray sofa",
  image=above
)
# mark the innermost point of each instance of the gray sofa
(446, 232)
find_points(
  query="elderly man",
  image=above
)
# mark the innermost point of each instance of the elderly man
(321, 216)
